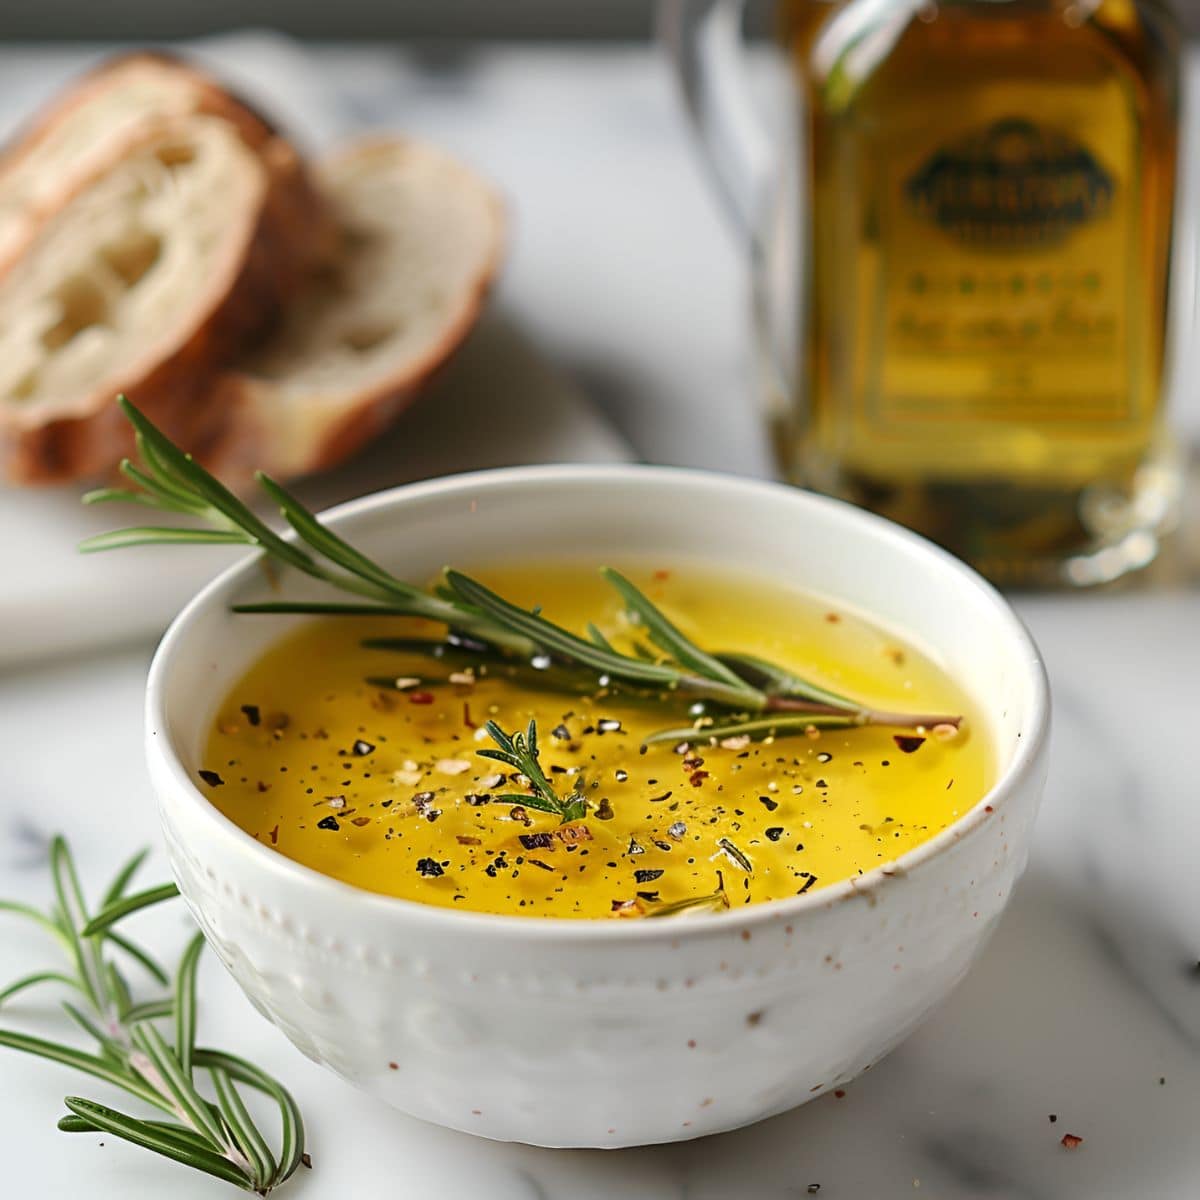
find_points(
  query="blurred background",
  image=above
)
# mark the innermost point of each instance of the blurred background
(434, 20)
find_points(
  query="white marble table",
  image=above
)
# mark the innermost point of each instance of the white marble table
(1087, 1003)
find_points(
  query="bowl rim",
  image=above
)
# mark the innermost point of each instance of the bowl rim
(161, 752)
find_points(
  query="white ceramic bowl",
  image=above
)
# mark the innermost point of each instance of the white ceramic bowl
(578, 1033)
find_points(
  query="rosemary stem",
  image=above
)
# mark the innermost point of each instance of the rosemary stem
(873, 716)
(862, 716)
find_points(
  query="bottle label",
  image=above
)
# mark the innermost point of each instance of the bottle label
(1011, 184)
(1006, 283)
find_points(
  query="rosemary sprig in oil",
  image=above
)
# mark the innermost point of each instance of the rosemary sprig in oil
(520, 751)
(214, 1135)
(727, 695)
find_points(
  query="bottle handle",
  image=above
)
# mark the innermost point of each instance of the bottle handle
(703, 40)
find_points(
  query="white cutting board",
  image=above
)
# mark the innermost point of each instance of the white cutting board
(498, 403)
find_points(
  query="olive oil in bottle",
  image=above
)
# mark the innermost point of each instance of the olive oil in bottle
(990, 203)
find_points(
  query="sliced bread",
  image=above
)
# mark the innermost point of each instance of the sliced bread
(422, 239)
(154, 272)
(94, 122)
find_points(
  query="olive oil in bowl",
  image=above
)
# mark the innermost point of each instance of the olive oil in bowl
(363, 762)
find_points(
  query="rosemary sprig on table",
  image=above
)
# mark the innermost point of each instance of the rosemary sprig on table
(216, 1136)
(520, 750)
(752, 698)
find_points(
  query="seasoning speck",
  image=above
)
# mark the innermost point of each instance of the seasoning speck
(647, 876)
(361, 748)
(429, 867)
(909, 743)
(329, 822)
(1071, 1141)
(251, 713)
(774, 833)
(211, 778)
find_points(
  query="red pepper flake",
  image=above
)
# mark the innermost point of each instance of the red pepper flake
(274, 836)
(909, 743)
(697, 778)
(572, 835)
(839, 1093)
(465, 840)
(1071, 1141)
(832, 618)
(420, 697)
(360, 821)
(467, 721)
(662, 575)
(393, 1066)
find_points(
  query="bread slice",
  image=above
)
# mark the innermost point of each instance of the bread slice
(155, 272)
(422, 240)
(94, 123)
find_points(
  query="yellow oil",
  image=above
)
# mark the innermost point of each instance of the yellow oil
(800, 812)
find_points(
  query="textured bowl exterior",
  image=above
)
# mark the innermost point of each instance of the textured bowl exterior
(566, 1033)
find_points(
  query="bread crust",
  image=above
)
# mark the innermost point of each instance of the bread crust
(277, 242)
(250, 434)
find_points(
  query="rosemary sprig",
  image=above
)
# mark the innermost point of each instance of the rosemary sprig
(216, 1136)
(672, 670)
(520, 751)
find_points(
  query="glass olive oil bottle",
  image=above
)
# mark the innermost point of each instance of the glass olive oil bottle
(990, 199)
